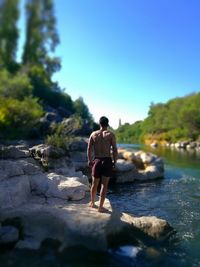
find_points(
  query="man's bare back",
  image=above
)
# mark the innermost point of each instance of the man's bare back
(102, 142)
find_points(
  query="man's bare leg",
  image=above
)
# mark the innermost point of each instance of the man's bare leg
(103, 192)
(93, 191)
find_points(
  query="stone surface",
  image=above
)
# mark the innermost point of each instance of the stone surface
(13, 152)
(58, 186)
(151, 225)
(8, 234)
(140, 165)
(78, 145)
(124, 166)
(9, 168)
(77, 224)
(14, 191)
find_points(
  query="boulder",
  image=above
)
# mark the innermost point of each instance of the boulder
(124, 171)
(53, 117)
(147, 158)
(13, 152)
(54, 164)
(78, 145)
(9, 168)
(124, 166)
(8, 234)
(52, 152)
(14, 191)
(141, 166)
(150, 173)
(58, 186)
(77, 224)
(154, 144)
(79, 160)
(151, 225)
(191, 145)
(47, 151)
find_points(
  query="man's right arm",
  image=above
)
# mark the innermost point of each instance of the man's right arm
(114, 148)
(89, 151)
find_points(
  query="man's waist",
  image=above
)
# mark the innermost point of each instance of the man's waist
(97, 157)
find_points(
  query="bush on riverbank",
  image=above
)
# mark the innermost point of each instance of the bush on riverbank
(178, 119)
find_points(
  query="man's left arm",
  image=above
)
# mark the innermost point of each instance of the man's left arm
(114, 148)
(89, 151)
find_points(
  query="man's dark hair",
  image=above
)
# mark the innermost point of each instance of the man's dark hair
(103, 121)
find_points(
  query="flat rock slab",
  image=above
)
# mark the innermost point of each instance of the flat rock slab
(74, 223)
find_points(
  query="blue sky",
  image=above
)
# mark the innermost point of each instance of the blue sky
(122, 55)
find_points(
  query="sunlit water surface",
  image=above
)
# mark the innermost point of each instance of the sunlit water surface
(176, 198)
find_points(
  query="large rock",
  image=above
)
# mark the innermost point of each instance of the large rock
(13, 152)
(151, 225)
(77, 224)
(58, 186)
(79, 159)
(14, 191)
(140, 165)
(67, 188)
(124, 171)
(11, 168)
(78, 145)
(50, 157)
(8, 234)
(124, 166)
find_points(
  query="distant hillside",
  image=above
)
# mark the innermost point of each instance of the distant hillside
(178, 119)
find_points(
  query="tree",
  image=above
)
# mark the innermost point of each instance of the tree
(14, 86)
(8, 34)
(82, 109)
(41, 36)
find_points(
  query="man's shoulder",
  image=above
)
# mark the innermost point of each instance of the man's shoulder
(110, 133)
(95, 133)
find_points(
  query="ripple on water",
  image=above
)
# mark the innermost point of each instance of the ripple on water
(127, 251)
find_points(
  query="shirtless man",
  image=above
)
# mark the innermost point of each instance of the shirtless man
(99, 146)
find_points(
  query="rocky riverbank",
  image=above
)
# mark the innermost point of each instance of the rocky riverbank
(187, 145)
(44, 195)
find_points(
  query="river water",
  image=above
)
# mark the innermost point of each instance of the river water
(175, 198)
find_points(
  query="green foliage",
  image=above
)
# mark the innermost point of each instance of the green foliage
(41, 35)
(15, 86)
(8, 34)
(178, 119)
(58, 140)
(82, 109)
(61, 133)
(17, 118)
(72, 124)
(129, 133)
(26, 86)
(47, 91)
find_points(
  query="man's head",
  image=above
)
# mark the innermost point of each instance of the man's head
(103, 121)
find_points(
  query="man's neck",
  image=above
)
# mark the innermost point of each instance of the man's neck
(103, 128)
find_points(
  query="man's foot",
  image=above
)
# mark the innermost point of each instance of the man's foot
(92, 205)
(102, 209)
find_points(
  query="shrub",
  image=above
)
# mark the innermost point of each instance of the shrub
(18, 118)
(59, 141)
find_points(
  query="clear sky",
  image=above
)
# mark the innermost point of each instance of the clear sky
(121, 55)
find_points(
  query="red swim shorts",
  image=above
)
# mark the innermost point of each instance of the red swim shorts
(102, 167)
